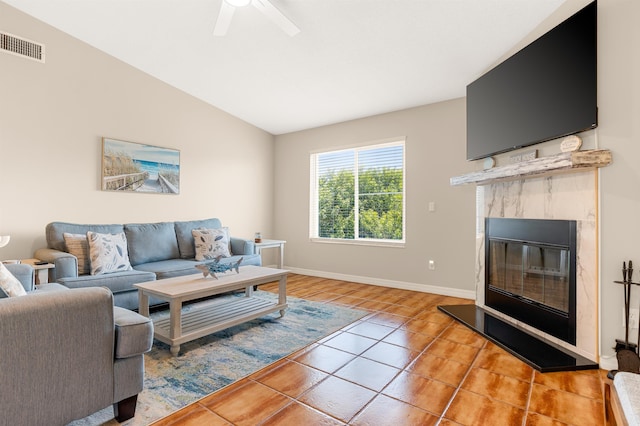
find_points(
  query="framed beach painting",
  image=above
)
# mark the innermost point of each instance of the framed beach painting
(135, 167)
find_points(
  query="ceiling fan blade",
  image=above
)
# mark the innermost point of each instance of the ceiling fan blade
(278, 18)
(224, 19)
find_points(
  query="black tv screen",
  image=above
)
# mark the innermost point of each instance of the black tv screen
(545, 91)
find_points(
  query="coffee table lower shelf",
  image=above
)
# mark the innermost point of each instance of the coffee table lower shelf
(199, 321)
(203, 321)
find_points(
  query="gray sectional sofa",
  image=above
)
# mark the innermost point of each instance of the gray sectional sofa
(155, 250)
(68, 353)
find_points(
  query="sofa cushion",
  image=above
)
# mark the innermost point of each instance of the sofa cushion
(170, 268)
(178, 267)
(151, 242)
(9, 285)
(116, 282)
(108, 253)
(42, 288)
(78, 246)
(186, 244)
(211, 243)
(54, 232)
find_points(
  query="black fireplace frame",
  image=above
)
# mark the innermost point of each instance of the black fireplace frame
(544, 232)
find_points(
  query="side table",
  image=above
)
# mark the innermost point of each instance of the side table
(272, 244)
(42, 271)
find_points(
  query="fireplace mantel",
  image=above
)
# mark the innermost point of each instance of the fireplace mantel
(560, 163)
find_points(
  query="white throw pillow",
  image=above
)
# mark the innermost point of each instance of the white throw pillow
(10, 284)
(211, 243)
(78, 246)
(108, 253)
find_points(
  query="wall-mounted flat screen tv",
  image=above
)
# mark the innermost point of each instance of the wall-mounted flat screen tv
(545, 91)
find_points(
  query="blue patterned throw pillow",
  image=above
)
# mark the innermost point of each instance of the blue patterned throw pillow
(211, 243)
(108, 253)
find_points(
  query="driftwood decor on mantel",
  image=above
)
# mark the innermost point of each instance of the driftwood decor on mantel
(560, 163)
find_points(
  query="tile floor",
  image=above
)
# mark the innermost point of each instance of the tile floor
(405, 363)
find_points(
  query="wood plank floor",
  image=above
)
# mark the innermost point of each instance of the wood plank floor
(405, 363)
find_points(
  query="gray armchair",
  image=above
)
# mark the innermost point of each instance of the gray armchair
(67, 353)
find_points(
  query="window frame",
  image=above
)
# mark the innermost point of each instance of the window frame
(314, 195)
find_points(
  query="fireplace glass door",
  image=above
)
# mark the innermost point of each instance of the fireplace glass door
(539, 274)
(530, 272)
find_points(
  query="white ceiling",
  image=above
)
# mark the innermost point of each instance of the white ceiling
(352, 58)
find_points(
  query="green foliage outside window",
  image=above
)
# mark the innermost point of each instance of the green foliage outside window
(337, 205)
(380, 204)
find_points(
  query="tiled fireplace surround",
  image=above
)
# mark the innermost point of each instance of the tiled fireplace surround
(570, 196)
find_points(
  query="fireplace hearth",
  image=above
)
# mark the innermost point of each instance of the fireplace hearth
(545, 356)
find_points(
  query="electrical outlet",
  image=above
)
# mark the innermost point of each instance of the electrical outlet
(634, 314)
(432, 265)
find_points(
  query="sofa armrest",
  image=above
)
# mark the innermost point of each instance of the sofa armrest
(66, 264)
(134, 333)
(24, 273)
(242, 246)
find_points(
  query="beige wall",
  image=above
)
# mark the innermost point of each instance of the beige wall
(619, 131)
(52, 118)
(435, 151)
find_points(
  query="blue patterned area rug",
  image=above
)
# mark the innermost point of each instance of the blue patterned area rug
(212, 362)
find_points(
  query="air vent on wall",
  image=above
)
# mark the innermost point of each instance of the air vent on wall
(19, 46)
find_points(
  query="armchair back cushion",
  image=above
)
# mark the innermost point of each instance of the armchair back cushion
(24, 273)
(10, 286)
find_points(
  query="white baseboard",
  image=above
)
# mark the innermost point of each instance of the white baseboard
(608, 362)
(444, 291)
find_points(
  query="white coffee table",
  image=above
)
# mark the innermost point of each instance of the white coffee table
(183, 327)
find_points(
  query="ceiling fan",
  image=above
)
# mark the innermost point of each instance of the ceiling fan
(228, 7)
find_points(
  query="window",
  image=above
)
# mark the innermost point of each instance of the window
(368, 180)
